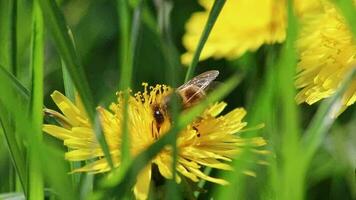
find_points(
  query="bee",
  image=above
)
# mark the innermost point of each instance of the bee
(194, 90)
(191, 93)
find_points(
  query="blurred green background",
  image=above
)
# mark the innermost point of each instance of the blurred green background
(95, 27)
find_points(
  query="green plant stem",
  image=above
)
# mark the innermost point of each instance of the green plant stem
(170, 54)
(126, 66)
(289, 117)
(213, 15)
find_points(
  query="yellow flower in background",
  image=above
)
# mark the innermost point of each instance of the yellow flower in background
(243, 25)
(211, 140)
(327, 54)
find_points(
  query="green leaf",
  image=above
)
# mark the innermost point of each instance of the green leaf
(213, 15)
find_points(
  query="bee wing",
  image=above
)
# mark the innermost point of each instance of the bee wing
(202, 80)
(200, 83)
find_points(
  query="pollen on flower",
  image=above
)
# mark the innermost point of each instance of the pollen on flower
(212, 140)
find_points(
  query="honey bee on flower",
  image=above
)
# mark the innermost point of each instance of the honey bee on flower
(212, 140)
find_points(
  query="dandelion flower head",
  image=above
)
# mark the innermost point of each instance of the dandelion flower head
(212, 140)
(243, 25)
(327, 54)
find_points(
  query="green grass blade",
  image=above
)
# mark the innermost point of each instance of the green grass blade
(86, 186)
(213, 15)
(16, 152)
(292, 175)
(287, 92)
(13, 37)
(35, 179)
(170, 54)
(70, 92)
(126, 66)
(9, 82)
(121, 180)
(69, 87)
(57, 25)
(6, 21)
(21, 90)
(324, 118)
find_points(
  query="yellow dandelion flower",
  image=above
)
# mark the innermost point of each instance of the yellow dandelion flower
(242, 25)
(327, 54)
(211, 140)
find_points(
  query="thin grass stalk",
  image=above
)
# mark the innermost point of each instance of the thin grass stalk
(6, 8)
(170, 54)
(213, 15)
(287, 92)
(86, 186)
(35, 179)
(13, 37)
(56, 23)
(70, 92)
(126, 65)
(11, 178)
(292, 175)
(271, 119)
